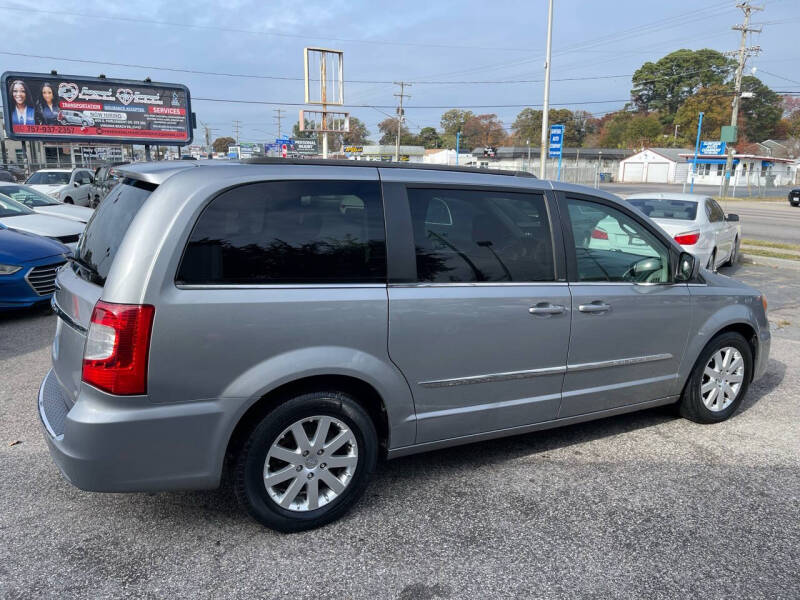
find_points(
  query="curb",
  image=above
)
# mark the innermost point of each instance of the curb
(752, 259)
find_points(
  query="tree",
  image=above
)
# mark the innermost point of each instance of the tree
(452, 122)
(667, 83)
(715, 103)
(388, 129)
(429, 138)
(358, 133)
(221, 144)
(528, 126)
(760, 114)
(483, 130)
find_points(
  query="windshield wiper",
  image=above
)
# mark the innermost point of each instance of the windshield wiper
(84, 265)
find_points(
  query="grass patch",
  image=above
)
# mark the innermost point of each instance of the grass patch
(768, 244)
(770, 253)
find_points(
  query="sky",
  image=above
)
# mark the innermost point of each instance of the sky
(596, 48)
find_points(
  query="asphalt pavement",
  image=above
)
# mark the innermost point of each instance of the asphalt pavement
(645, 505)
(742, 192)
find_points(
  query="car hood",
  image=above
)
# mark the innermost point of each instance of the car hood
(19, 247)
(723, 281)
(46, 189)
(66, 211)
(46, 225)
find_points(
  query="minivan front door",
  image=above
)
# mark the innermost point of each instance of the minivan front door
(480, 329)
(630, 323)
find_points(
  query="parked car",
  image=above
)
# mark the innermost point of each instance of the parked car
(6, 175)
(301, 318)
(697, 223)
(75, 117)
(43, 204)
(794, 197)
(28, 265)
(105, 178)
(70, 186)
(19, 217)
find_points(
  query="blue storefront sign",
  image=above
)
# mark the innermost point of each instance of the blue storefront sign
(713, 148)
(556, 141)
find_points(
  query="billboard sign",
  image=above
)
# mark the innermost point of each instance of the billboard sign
(556, 141)
(712, 148)
(90, 109)
(306, 147)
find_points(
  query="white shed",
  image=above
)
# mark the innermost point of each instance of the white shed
(653, 165)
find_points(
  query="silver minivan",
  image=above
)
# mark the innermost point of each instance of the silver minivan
(291, 322)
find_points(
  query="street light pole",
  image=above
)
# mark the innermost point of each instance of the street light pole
(546, 104)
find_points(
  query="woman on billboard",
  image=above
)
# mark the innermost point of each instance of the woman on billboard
(47, 113)
(20, 100)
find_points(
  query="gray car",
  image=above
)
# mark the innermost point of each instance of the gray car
(292, 322)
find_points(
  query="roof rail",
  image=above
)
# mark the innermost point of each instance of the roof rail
(266, 160)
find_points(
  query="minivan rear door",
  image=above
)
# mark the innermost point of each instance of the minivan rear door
(479, 316)
(79, 284)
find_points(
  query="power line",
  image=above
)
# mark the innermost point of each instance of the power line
(377, 106)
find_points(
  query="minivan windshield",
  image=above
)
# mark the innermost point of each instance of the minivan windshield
(49, 178)
(107, 227)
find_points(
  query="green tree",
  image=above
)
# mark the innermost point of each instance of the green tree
(429, 138)
(667, 83)
(388, 130)
(528, 126)
(715, 103)
(451, 123)
(221, 144)
(762, 113)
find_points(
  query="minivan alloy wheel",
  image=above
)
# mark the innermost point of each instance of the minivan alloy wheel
(310, 463)
(722, 379)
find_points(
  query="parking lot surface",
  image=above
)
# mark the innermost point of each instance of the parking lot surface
(646, 505)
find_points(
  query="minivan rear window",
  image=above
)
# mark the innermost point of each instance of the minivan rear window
(282, 232)
(107, 227)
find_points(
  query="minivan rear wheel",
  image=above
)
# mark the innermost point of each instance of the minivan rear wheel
(307, 462)
(719, 380)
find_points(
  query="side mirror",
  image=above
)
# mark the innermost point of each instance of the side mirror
(685, 270)
(732, 217)
(76, 184)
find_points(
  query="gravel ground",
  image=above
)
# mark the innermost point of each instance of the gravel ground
(638, 506)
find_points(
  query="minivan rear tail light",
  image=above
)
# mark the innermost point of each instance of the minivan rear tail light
(117, 348)
(599, 234)
(687, 239)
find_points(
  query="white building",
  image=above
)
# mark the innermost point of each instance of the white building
(655, 165)
(748, 169)
(385, 153)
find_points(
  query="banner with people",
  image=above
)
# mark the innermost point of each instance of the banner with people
(67, 108)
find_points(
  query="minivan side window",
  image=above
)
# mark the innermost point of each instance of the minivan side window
(464, 236)
(285, 232)
(612, 246)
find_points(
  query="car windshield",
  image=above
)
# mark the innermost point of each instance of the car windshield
(664, 208)
(12, 208)
(48, 178)
(27, 196)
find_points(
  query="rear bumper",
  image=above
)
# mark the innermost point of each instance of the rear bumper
(104, 443)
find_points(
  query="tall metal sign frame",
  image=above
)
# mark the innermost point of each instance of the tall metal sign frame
(328, 65)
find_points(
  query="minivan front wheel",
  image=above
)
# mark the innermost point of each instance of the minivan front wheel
(307, 462)
(719, 380)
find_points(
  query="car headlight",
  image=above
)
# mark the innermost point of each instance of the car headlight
(9, 269)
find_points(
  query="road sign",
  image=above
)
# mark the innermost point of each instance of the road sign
(712, 148)
(556, 141)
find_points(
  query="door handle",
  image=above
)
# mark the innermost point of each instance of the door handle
(545, 308)
(596, 307)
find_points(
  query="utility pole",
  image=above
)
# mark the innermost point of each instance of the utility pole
(236, 131)
(401, 116)
(208, 130)
(278, 114)
(742, 53)
(546, 105)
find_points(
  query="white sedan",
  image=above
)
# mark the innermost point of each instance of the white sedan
(697, 223)
(17, 216)
(44, 204)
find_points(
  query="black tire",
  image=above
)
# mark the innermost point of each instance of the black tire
(691, 404)
(248, 470)
(68, 200)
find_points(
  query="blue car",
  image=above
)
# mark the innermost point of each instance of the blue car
(28, 265)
